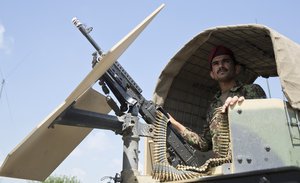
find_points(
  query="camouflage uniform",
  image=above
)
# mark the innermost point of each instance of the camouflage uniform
(208, 140)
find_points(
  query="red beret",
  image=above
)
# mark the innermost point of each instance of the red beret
(219, 50)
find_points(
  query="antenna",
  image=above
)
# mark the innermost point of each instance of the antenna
(2, 86)
(268, 86)
(267, 78)
(2, 83)
(2, 89)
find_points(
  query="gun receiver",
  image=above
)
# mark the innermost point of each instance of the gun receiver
(129, 96)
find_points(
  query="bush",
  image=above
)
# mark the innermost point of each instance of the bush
(60, 179)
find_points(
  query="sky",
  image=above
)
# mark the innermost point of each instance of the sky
(43, 57)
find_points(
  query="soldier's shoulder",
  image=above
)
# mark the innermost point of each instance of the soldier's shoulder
(255, 90)
(252, 86)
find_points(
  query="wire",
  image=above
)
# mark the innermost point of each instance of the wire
(2, 75)
(267, 80)
(8, 105)
(3, 90)
(2, 86)
(18, 65)
(2, 83)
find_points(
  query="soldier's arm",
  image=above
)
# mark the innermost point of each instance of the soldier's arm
(253, 91)
(232, 101)
(201, 142)
(178, 126)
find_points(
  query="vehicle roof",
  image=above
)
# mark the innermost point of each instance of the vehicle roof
(185, 88)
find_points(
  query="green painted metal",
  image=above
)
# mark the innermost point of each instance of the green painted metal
(264, 134)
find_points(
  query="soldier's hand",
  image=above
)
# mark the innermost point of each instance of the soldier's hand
(177, 125)
(171, 119)
(230, 101)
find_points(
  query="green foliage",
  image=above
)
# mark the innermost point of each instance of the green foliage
(60, 179)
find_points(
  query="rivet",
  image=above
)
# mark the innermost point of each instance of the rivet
(240, 160)
(249, 160)
(267, 148)
(266, 159)
(239, 111)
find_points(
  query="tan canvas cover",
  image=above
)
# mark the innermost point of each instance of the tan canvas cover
(185, 88)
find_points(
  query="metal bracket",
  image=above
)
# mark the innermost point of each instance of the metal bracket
(142, 129)
(82, 118)
(120, 125)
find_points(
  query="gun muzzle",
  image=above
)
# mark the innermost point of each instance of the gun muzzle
(76, 22)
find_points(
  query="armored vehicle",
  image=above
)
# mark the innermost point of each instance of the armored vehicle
(264, 133)
(262, 136)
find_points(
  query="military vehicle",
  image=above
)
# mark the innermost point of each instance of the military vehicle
(262, 136)
(264, 133)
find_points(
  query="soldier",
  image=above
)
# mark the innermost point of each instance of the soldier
(223, 69)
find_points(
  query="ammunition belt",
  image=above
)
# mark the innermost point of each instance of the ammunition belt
(163, 171)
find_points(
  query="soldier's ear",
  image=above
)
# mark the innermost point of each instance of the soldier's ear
(212, 75)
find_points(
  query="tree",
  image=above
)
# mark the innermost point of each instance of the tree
(60, 179)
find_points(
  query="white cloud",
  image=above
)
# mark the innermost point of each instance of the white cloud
(99, 141)
(5, 42)
(80, 173)
(116, 162)
(2, 30)
(95, 143)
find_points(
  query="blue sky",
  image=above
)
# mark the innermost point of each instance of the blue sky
(43, 57)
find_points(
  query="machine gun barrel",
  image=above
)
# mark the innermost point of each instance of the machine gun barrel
(86, 32)
(116, 77)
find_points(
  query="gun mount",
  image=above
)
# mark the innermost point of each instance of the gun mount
(131, 103)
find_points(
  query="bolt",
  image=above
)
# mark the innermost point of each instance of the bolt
(267, 148)
(248, 160)
(239, 111)
(151, 130)
(266, 159)
(240, 160)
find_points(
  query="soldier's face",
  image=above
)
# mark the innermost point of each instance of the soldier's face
(223, 68)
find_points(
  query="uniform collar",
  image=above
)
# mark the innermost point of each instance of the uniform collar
(232, 90)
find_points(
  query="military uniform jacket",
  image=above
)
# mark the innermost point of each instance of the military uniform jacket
(208, 140)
